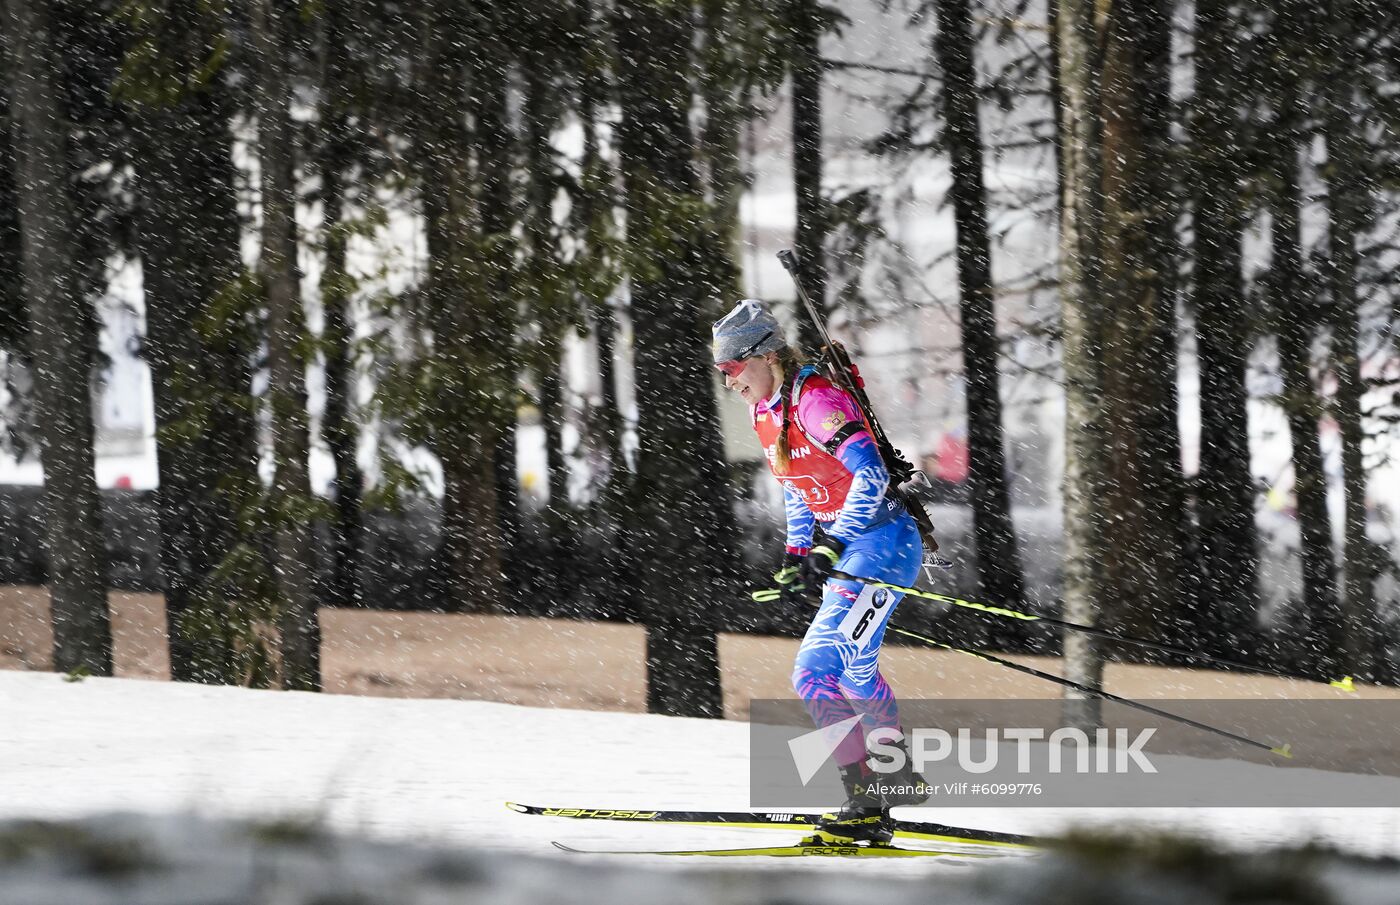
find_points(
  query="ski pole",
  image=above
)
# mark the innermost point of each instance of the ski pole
(1344, 683)
(768, 594)
(1284, 750)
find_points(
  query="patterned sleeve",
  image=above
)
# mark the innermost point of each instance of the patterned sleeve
(824, 411)
(799, 522)
(869, 480)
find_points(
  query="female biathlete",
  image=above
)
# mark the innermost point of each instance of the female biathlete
(821, 451)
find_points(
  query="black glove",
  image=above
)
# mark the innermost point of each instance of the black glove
(787, 575)
(818, 565)
(788, 580)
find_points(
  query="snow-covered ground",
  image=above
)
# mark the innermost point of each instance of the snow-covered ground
(437, 772)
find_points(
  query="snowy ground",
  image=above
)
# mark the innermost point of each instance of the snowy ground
(438, 772)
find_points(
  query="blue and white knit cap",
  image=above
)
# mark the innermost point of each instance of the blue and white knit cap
(747, 331)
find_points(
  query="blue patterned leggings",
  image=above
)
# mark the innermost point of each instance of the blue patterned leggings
(837, 672)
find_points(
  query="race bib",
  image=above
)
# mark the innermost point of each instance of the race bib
(869, 611)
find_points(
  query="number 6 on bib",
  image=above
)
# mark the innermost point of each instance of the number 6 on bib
(866, 615)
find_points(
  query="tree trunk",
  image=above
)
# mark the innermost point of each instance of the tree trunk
(60, 345)
(1124, 520)
(298, 621)
(552, 414)
(498, 300)
(612, 425)
(1141, 482)
(501, 300)
(1297, 326)
(467, 220)
(1083, 311)
(595, 206)
(338, 421)
(1345, 200)
(998, 560)
(1225, 498)
(723, 90)
(14, 325)
(807, 78)
(188, 237)
(682, 503)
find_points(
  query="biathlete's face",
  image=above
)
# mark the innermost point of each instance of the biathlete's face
(751, 378)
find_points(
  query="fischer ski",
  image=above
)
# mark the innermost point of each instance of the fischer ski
(783, 820)
(788, 851)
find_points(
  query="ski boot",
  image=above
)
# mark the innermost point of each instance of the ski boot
(863, 819)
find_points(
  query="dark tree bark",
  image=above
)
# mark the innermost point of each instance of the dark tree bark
(550, 295)
(552, 415)
(682, 504)
(605, 331)
(188, 229)
(1142, 481)
(14, 325)
(1225, 495)
(723, 88)
(298, 621)
(491, 67)
(61, 345)
(468, 236)
(1296, 329)
(1347, 203)
(998, 560)
(807, 165)
(1123, 513)
(498, 301)
(338, 421)
(595, 203)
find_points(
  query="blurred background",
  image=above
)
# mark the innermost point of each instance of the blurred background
(314, 311)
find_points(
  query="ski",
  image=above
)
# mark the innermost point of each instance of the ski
(904, 829)
(787, 851)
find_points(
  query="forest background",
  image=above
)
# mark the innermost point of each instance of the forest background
(1128, 273)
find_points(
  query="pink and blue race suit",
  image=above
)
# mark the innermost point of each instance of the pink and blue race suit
(835, 476)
